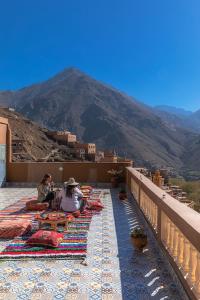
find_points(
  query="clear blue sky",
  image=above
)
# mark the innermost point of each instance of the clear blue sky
(148, 48)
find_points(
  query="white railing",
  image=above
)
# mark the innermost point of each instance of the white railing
(177, 227)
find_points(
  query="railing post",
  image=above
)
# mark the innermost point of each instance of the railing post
(139, 193)
(159, 223)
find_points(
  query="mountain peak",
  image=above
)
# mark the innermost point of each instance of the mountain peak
(67, 73)
(72, 70)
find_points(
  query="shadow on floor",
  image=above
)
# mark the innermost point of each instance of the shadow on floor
(144, 275)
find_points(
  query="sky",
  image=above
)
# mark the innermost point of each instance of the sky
(150, 49)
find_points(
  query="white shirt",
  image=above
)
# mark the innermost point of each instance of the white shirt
(70, 204)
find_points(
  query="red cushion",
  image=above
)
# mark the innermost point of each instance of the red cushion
(34, 205)
(76, 214)
(70, 218)
(96, 205)
(46, 238)
(13, 228)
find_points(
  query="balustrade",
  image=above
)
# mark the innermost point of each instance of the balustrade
(180, 237)
(135, 189)
(149, 209)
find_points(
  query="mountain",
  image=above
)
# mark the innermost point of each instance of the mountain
(101, 114)
(179, 112)
(193, 121)
(36, 143)
(174, 117)
(6, 98)
(191, 158)
(170, 120)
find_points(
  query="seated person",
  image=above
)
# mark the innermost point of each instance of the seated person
(71, 197)
(45, 193)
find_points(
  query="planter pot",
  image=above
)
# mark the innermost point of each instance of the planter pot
(114, 182)
(122, 196)
(139, 242)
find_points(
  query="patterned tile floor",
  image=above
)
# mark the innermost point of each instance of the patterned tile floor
(114, 270)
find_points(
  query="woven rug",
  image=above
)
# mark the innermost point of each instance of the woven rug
(17, 210)
(74, 245)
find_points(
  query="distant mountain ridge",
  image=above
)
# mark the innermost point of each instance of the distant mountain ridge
(101, 114)
(176, 117)
(179, 112)
(6, 98)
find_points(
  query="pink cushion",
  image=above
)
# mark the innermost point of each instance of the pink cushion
(46, 238)
(34, 205)
(13, 228)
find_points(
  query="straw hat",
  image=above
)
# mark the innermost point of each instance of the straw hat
(71, 182)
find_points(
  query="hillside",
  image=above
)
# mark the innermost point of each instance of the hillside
(179, 112)
(101, 114)
(194, 121)
(6, 98)
(36, 145)
(171, 120)
(175, 117)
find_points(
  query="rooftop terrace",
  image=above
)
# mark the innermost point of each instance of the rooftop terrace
(114, 269)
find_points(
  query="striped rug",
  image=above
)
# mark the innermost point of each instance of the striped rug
(73, 246)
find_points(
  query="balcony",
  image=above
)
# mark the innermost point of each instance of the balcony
(114, 269)
(175, 226)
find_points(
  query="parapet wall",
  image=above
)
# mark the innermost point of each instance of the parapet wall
(61, 171)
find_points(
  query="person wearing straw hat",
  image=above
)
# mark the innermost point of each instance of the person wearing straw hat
(71, 197)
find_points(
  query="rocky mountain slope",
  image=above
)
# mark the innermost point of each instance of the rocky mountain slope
(36, 144)
(101, 114)
(179, 118)
(193, 121)
(179, 112)
(6, 98)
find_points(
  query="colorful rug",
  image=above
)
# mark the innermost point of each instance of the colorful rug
(18, 210)
(74, 245)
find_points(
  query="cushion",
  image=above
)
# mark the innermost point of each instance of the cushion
(34, 205)
(13, 228)
(76, 214)
(96, 205)
(85, 191)
(70, 218)
(88, 187)
(45, 238)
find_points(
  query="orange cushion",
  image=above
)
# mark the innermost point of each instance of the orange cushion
(13, 228)
(34, 205)
(46, 238)
(85, 191)
(88, 187)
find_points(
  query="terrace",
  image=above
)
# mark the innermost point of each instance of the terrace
(168, 268)
(114, 269)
